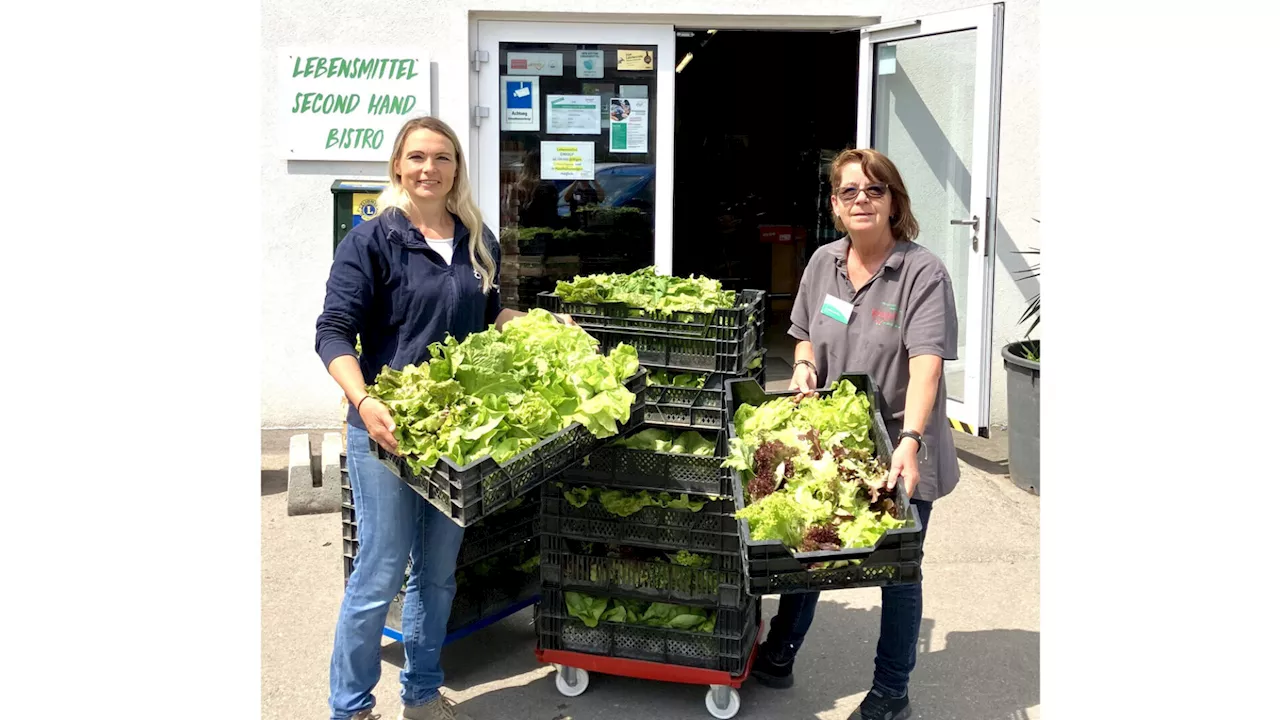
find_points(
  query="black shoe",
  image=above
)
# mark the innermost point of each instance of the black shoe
(878, 706)
(773, 666)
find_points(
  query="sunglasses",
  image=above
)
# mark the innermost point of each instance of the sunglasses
(875, 191)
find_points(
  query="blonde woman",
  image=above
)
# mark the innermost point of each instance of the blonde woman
(424, 267)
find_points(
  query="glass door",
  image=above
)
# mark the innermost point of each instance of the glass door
(929, 98)
(571, 172)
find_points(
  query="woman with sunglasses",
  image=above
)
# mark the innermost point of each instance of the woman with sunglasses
(876, 302)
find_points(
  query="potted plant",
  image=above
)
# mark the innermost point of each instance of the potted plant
(1022, 370)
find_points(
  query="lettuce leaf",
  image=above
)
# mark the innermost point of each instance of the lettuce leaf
(825, 481)
(644, 289)
(497, 394)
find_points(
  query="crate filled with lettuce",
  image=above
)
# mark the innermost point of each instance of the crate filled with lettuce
(652, 631)
(809, 488)
(693, 400)
(627, 516)
(660, 459)
(494, 416)
(678, 323)
(691, 578)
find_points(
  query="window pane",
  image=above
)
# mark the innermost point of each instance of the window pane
(577, 163)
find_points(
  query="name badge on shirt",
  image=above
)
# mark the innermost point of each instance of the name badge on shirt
(837, 309)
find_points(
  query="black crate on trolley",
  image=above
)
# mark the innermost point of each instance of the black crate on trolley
(620, 466)
(704, 408)
(517, 523)
(713, 529)
(467, 494)
(478, 599)
(683, 578)
(727, 648)
(726, 341)
(722, 324)
(771, 567)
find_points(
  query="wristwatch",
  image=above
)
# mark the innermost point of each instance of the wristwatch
(924, 449)
(806, 362)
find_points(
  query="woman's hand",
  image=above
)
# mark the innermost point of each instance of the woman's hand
(805, 381)
(377, 419)
(567, 319)
(905, 466)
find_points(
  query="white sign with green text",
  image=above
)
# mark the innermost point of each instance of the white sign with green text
(348, 103)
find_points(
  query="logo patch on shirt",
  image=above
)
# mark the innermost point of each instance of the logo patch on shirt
(887, 314)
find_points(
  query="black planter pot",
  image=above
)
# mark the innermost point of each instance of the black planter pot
(1024, 416)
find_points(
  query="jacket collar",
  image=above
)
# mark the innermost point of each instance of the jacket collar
(399, 230)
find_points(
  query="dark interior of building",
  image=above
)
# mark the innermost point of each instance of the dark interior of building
(758, 115)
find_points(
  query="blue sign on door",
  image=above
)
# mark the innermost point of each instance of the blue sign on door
(520, 94)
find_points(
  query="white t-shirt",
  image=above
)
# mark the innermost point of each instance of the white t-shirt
(444, 247)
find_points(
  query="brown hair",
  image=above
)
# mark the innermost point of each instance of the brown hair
(459, 201)
(881, 169)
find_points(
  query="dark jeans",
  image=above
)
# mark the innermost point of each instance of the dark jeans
(899, 624)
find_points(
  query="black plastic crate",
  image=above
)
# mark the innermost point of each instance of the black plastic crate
(710, 530)
(349, 524)
(685, 354)
(695, 408)
(656, 471)
(501, 531)
(771, 567)
(727, 649)
(470, 493)
(719, 584)
(477, 603)
(722, 324)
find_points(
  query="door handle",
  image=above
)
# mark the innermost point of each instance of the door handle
(973, 224)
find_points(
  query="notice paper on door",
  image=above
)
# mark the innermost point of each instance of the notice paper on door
(590, 63)
(568, 161)
(573, 114)
(635, 60)
(519, 103)
(629, 125)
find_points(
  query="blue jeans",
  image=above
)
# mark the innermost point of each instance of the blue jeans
(901, 607)
(393, 524)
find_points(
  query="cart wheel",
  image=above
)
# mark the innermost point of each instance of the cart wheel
(571, 681)
(723, 702)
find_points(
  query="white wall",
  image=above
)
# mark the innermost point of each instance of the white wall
(298, 206)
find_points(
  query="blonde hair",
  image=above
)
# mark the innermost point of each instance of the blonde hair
(459, 201)
(881, 169)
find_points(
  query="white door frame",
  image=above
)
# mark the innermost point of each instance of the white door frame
(493, 32)
(973, 415)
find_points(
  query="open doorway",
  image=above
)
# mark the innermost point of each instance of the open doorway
(758, 117)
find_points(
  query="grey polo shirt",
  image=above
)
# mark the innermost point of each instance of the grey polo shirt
(908, 308)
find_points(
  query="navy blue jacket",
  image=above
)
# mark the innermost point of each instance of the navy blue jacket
(391, 288)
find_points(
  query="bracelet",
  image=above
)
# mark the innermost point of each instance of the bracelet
(924, 449)
(366, 397)
(806, 362)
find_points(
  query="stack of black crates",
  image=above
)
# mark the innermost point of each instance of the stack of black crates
(657, 554)
(497, 565)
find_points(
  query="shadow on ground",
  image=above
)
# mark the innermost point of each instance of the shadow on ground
(980, 675)
(275, 482)
(992, 467)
